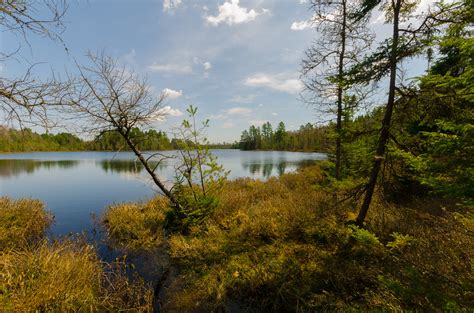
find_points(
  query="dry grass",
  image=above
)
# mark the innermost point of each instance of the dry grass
(22, 222)
(66, 276)
(136, 226)
(38, 276)
(285, 246)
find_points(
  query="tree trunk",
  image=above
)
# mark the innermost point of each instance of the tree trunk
(385, 132)
(340, 88)
(155, 179)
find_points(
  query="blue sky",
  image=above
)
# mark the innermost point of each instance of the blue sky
(238, 61)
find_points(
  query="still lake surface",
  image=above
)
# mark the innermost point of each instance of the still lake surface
(77, 185)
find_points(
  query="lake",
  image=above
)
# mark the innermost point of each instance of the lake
(77, 185)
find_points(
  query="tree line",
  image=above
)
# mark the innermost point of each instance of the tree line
(26, 140)
(307, 138)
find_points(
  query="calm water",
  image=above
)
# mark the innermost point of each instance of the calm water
(75, 185)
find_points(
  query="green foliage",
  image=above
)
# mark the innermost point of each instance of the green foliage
(147, 141)
(400, 241)
(199, 178)
(364, 237)
(307, 138)
(437, 135)
(26, 140)
(366, 243)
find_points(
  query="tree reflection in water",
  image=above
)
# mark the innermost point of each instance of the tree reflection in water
(15, 167)
(126, 166)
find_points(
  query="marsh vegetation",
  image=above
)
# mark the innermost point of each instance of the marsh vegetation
(385, 224)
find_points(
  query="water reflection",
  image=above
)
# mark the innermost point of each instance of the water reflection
(128, 166)
(265, 169)
(120, 166)
(254, 168)
(12, 168)
(75, 184)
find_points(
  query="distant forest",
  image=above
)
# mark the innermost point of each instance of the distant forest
(307, 138)
(26, 140)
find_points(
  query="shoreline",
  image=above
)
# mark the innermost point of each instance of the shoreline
(259, 150)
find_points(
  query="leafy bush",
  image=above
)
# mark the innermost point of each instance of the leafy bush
(400, 241)
(199, 178)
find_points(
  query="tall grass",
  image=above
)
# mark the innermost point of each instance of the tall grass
(67, 276)
(63, 276)
(136, 226)
(22, 222)
(287, 245)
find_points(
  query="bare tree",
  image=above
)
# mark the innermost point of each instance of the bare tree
(341, 43)
(25, 98)
(108, 97)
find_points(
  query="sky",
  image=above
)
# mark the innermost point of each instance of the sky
(237, 61)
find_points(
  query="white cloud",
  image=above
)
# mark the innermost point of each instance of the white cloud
(170, 5)
(169, 111)
(207, 65)
(161, 114)
(172, 94)
(378, 18)
(230, 12)
(274, 114)
(171, 68)
(302, 25)
(239, 111)
(277, 82)
(310, 23)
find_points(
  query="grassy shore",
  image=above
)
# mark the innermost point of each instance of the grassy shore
(63, 276)
(285, 245)
(289, 245)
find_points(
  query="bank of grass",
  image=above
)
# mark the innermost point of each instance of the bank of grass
(285, 245)
(135, 226)
(63, 276)
(67, 276)
(22, 222)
